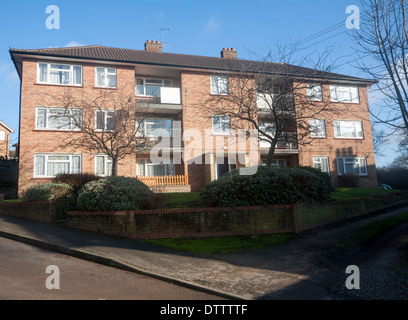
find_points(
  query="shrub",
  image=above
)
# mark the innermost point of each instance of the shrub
(61, 194)
(115, 194)
(75, 181)
(267, 186)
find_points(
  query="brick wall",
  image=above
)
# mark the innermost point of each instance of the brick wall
(211, 222)
(48, 141)
(42, 211)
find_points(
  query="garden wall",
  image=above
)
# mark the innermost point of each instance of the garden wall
(207, 222)
(43, 211)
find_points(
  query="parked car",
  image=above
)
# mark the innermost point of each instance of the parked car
(384, 186)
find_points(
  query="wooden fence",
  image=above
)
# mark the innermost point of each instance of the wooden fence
(177, 180)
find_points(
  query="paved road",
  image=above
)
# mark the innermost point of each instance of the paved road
(23, 276)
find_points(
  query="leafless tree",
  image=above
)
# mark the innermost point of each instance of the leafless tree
(278, 100)
(383, 36)
(103, 122)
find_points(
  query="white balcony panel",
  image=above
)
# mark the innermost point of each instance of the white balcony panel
(264, 101)
(170, 95)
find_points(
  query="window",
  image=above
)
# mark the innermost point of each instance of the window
(105, 120)
(348, 129)
(2, 135)
(145, 167)
(314, 92)
(275, 162)
(321, 163)
(148, 126)
(344, 94)
(57, 119)
(221, 124)
(105, 77)
(51, 165)
(352, 165)
(317, 128)
(219, 85)
(150, 87)
(103, 165)
(64, 74)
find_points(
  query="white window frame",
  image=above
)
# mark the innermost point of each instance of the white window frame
(47, 116)
(106, 160)
(144, 124)
(320, 124)
(353, 91)
(105, 118)
(358, 160)
(146, 164)
(222, 119)
(318, 160)
(2, 135)
(221, 90)
(314, 91)
(46, 155)
(71, 71)
(162, 84)
(105, 77)
(355, 129)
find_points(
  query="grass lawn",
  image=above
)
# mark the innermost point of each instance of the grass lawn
(371, 231)
(13, 201)
(180, 200)
(231, 244)
(351, 193)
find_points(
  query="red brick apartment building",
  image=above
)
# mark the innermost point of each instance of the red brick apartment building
(175, 86)
(5, 132)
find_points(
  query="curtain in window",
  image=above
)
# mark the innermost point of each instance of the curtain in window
(39, 166)
(54, 168)
(43, 72)
(140, 167)
(41, 118)
(100, 165)
(77, 76)
(76, 164)
(100, 77)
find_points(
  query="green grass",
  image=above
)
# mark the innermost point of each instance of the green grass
(231, 244)
(351, 193)
(180, 200)
(371, 231)
(13, 201)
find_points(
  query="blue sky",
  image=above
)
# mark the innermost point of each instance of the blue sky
(196, 27)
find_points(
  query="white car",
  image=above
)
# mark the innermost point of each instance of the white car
(384, 186)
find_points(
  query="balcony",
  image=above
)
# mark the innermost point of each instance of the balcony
(286, 145)
(160, 99)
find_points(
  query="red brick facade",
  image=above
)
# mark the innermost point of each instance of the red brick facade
(194, 87)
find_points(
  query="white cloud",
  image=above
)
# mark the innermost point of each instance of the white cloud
(213, 25)
(74, 44)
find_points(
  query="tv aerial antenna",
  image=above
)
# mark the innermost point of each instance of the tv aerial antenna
(162, 33)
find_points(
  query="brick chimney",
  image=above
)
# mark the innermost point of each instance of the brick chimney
(229, 53)
(153, 46)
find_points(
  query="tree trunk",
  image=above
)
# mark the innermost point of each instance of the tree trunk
(114, 167)
(271, 153)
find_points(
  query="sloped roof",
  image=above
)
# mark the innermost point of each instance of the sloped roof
(134, 56)
(6, 126)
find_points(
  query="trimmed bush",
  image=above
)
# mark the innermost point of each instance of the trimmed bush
(61, 194)
(115, 194)
(75, 181)
(267, 186)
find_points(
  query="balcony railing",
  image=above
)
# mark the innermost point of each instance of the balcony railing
(287, 142)
(177, 180)
(159, 95)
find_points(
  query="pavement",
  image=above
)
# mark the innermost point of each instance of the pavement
(293, 270)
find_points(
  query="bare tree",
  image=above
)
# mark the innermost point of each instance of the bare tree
(276, 99)
(106, 122)
(383, 36)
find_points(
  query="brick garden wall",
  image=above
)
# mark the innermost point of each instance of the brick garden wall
(42, 211)
(208, 222)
